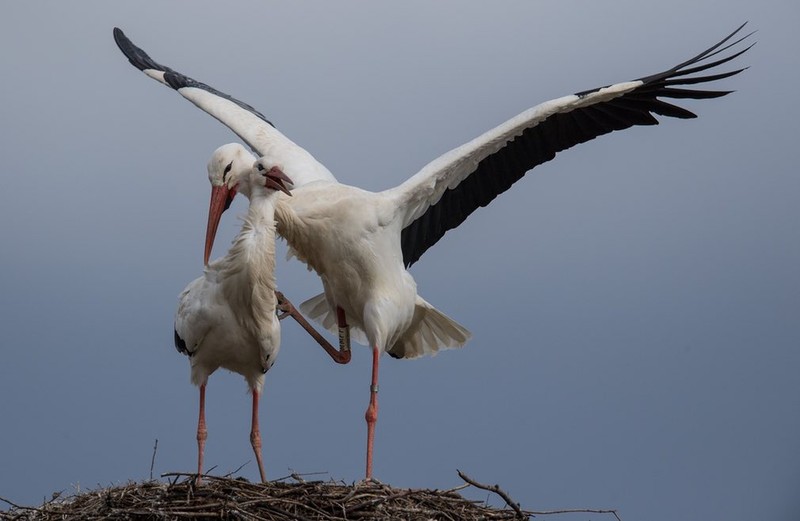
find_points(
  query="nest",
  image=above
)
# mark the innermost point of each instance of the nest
(223, 497)
(229, 498)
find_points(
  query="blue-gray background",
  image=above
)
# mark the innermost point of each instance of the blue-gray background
(634, 303)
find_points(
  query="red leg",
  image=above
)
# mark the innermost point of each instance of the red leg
(372, 411)
(202, 433)
(255, 437)
(342, 356)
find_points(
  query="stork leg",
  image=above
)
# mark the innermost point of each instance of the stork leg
(344, 334)
(255, 437)
(372, 411)
(202, 433)
(286, 309)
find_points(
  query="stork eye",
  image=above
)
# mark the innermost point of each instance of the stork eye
(227, 171)
(260, 167)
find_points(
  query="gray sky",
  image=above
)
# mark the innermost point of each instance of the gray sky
(634, 303)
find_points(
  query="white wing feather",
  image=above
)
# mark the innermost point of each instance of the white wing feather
(427, 186)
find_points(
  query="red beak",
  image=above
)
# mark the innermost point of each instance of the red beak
(277, 180)
(221, 198)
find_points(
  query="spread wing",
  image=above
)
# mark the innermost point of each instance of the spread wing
(245, 121)
(446, 191)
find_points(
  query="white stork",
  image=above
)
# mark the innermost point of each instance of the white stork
(361, 243)
(226, 318)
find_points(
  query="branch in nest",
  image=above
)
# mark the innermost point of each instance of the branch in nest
(577, 511)
(522, 514)
(153, 459)
(497, 490)
(4, 500)
(229, 474)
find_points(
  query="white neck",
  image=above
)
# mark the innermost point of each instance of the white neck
(248, 270)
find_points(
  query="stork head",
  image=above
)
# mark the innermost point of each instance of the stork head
(271, 176)
(227, 166)
(271, 179)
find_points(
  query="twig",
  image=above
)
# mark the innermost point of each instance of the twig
(229, 474)
(497, 490)
(153, 459)
(294, 475)
(456, 489)
(180, 474)
(381, 499)
(4, 500)
(577, 511)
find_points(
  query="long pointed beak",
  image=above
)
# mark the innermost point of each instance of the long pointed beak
(221, 198)
(277, 180)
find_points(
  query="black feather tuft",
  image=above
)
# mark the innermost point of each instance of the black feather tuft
(180, 345)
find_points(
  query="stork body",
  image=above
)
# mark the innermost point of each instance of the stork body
(226, 317)
(351, 238)
(361, 243)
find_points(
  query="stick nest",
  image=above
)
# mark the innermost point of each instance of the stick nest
(229, 498)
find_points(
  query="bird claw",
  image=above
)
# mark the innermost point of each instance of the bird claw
(369, 481)
(284, 307)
